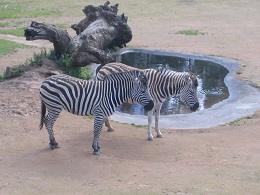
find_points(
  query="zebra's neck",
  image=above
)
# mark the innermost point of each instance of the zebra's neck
(165, 83)
(118, 92)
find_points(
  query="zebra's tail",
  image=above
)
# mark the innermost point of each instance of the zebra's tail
(43, 112)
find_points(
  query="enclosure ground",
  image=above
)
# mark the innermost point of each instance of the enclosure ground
(218, 160)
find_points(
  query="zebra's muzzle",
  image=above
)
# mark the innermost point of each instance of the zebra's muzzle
(149, 106)
(195, 107)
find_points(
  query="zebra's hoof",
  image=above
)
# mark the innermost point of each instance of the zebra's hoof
(150, 139)
(110, 130)
(159, 136)
(97, 153)
(53, 146)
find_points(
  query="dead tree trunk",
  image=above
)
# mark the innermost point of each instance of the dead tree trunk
(98, 35)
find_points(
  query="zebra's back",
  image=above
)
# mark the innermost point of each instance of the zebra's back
(162, 83)
(74, 95)
(112, 68)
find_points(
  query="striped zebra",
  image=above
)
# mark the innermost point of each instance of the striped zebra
(163, 84)
(98, 98)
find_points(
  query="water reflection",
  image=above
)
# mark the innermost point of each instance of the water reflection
(212, 88)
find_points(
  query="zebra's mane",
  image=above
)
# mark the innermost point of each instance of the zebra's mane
(171, 72)
(132, 72)
(190, 75)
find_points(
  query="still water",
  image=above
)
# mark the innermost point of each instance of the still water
(211, 90)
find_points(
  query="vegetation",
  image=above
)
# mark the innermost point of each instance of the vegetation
(3, 24)
(20, 31)
(63, 26)
(138, 126)
(237, 121)
(18, 70)
(190, 32)
(64, 63)
(37, 57)
(15, 31)
(242, 120)
(9, 46)
(9, 10)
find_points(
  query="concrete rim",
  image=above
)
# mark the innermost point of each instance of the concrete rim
(244, 99)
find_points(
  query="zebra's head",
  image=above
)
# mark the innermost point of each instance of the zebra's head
(189, 93)
(140, 91)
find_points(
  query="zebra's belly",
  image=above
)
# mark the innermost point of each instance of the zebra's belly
(80, 112)
(73, 105)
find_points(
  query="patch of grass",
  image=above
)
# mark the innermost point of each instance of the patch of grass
(12, 11)
(63, 26)
(14, 71)
(2, 77)
(15, 32)
(139, 126)
(37, 57)
(3, 24)
(238, 72)
(18, 70)
(65, 63)
(91, 117)
(239, 120)
(19, 22)
(8, 47)
(132, 124)
(235, 122)
(190, 32)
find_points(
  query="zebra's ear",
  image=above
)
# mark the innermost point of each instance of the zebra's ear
(135, 79)
(143, 79)
(188, 79)
(194, 79)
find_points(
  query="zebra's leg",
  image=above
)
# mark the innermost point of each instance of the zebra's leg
(157, 109)
(150, 120)
(98, 123)
(49, 122)
(108, 125)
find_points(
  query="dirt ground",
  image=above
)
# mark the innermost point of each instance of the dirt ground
(219, 160)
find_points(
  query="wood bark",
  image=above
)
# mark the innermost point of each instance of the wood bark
(97, 38)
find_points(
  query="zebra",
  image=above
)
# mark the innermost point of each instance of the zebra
(98, 98)
(163, 83)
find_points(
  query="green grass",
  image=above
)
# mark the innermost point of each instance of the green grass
(19, 22)
(18, 70)
(239, 120)
(190, 32)
(8, 47)
(138, 126)
(11, 10)
(15, 31)
(20, 31)
(63, 26)
(3, 24)
(65, 63)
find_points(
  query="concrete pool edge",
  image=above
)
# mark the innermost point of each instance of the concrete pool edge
(244, 99)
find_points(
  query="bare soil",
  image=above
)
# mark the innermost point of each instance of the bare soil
(219, 160)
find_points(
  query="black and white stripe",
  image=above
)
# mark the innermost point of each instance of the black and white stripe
(162, 83)
(98, 98)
